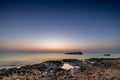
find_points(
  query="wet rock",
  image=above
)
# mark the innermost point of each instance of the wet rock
(73, 62)
(53, 63)
(54, 71)
(105, 62)
(40, 66)
(3, 72)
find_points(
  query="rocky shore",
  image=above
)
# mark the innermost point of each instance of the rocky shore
(67, 69)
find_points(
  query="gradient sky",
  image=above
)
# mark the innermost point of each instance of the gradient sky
(59, 25)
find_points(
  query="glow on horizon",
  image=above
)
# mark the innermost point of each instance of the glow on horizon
(54, 44)
(59, 25)
(48, 43)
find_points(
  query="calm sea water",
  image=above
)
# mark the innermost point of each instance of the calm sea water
(8, 60)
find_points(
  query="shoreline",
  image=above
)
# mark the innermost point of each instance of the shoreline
(94, 68)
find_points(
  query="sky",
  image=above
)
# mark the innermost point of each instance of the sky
(59, 25)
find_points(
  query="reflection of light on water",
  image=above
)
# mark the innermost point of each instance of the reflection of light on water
(31, 58)
(8, 66)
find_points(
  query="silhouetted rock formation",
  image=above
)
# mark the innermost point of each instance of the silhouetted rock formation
(75, 53)
(107, 55)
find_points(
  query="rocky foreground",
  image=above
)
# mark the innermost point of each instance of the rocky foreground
(67, 69)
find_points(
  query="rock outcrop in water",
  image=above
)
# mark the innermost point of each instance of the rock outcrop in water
(75, 53)
(107, 55)
(91, 69)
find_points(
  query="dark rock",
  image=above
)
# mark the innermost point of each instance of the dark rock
(105, 62)
(100, 59)
(3, 72)
(53, 63)
(106, 54)
(75, 53)
(54, 69)
(73, 62)
(40, 66)
(26, 67)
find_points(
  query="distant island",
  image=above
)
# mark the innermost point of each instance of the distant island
(107, 54)
(74, 53)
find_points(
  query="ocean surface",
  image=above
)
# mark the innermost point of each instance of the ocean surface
(8, 60)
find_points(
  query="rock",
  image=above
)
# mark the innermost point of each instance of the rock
(100, 59)
(35, 71)
(53, 69)
(3, 72)
(73, 62)
(105, 62)
(40, 66)
(67, 66)
(106, 54)
(75, 53)
(53, 63)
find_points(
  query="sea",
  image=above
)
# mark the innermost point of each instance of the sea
(10, 60)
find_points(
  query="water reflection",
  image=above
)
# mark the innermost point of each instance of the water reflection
(33, 58)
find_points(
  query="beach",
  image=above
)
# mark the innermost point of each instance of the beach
(66, 69)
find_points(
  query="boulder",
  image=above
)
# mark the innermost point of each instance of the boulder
(73, 62)
(53, 63)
